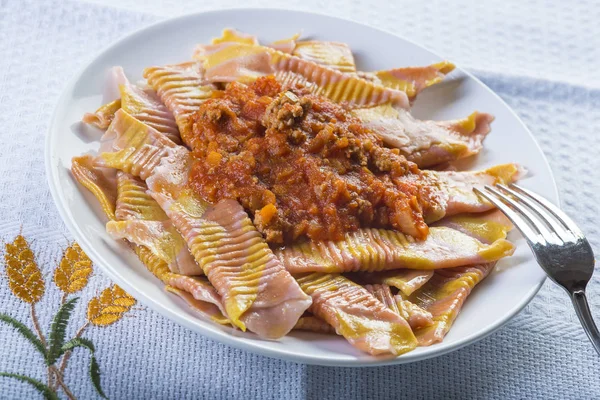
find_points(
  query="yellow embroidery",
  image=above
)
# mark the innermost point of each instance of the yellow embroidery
(24, 277)
(110, 306)
(72, 275)
(73, 271)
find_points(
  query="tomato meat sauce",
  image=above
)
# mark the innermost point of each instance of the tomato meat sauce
(301, 165)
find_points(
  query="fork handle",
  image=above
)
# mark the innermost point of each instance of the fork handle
(585, 316)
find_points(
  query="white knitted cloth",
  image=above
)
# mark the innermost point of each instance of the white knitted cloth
(540, 56)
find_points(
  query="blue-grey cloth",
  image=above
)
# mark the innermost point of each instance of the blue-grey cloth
(542, 57)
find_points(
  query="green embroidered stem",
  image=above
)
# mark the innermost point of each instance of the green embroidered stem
(94, 368)
(48, 393)
(39, 341)
(36, 326)
(61, 383)
(26, 333)
(65, 359)
(58, 330)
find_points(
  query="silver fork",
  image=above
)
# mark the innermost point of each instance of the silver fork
(557, 243)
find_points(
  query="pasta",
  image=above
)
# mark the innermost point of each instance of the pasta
(181, 89)
(277, 187)
(405, 280)
(427, 143)
(143, 222)
(107, 191)
(412, 80)
(378, 250)
(357, 315)
(221, 237)
(334, 55)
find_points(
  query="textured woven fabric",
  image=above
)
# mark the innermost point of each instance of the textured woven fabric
(540, 56)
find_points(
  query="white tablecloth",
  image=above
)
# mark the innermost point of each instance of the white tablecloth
(541, 56)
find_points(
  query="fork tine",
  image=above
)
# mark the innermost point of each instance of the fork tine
(526, 231)
(525, 213)
(557, 212)
(560, 230)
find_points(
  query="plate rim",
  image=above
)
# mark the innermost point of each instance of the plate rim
(225, 337)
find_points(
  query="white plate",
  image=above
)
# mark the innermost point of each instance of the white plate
(502, 295)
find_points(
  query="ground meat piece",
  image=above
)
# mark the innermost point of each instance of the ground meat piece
(284, 109)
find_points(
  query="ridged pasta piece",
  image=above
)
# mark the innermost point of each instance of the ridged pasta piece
(334, 55)
(443, 296)
(136, 151)
(459, 240)
(230, 35)
(496, 225)
(413, 314)
(103, 116)
(432, 309)
(285, 45)
(383, 293)
(412, 80)
(379, 249)
(416, 316)
(161, 238)
(257, 292)
(143, 222)
(105, 192)
(198, 288)
(155, 265)
(452, 191)
(134, 202)
(101, 182)
(338, 56)
(368, 76)
(427, 143)
(313, 324)
(203, 307)
(334, 85)
(115, 77)
(246, 63)
(145, 105)
(405, 280)
(181, 88)
(202, 51)
(358, 316)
